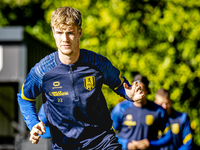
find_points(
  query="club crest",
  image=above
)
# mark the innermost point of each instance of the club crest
(149, 119)
(175, 128)
(89, 82)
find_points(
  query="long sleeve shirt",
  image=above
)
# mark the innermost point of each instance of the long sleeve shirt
(72, 98)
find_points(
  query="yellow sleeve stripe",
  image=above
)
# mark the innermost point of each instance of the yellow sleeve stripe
(187, 138)
(122, 80)
(116, 131)
(113, 129)
(166, 129)
(23, 96)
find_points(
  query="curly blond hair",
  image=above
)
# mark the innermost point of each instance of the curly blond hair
(65, 16)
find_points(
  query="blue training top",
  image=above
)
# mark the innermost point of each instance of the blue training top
(72, 98)
(137, 123)
(181, 132)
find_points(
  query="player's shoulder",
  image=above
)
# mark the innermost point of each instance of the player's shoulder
(183, 116)
(88, 52)
(154, 106)
(48, 59)
(125, 103)
(157, 108)
(122, 106)
(88, 55)
(178, 114)
(45, 64)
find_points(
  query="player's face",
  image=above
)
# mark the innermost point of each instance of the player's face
(67, 40)
(164, 102)
(142, 85)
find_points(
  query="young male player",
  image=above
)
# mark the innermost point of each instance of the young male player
(137, 124)
(70, 81)
(180, 123)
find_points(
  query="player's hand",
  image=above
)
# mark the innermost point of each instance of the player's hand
(132, 145)
(143, 144)
(36, 130)
(134, 92)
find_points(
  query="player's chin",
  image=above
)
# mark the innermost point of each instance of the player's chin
(66, 51)
(138, 101)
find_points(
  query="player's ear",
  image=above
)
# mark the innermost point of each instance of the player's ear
(80, 32)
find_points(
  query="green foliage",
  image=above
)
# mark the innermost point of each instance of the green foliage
(159, 39)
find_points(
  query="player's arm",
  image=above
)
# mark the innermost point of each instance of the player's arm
(43, 118)
(116, 116)
(123, 142)
(27, 98)
(118, 83)
(164, 139)
(165, 128)
(186, 134)
(28, 110)
(112, 76)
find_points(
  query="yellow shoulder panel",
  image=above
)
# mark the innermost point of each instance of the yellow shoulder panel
(23, 96)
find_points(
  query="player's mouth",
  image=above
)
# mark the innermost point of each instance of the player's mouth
(66, 46)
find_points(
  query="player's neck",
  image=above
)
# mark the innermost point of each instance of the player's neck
(69, 59)
(141, 103)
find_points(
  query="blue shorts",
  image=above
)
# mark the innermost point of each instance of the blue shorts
(105, 140)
